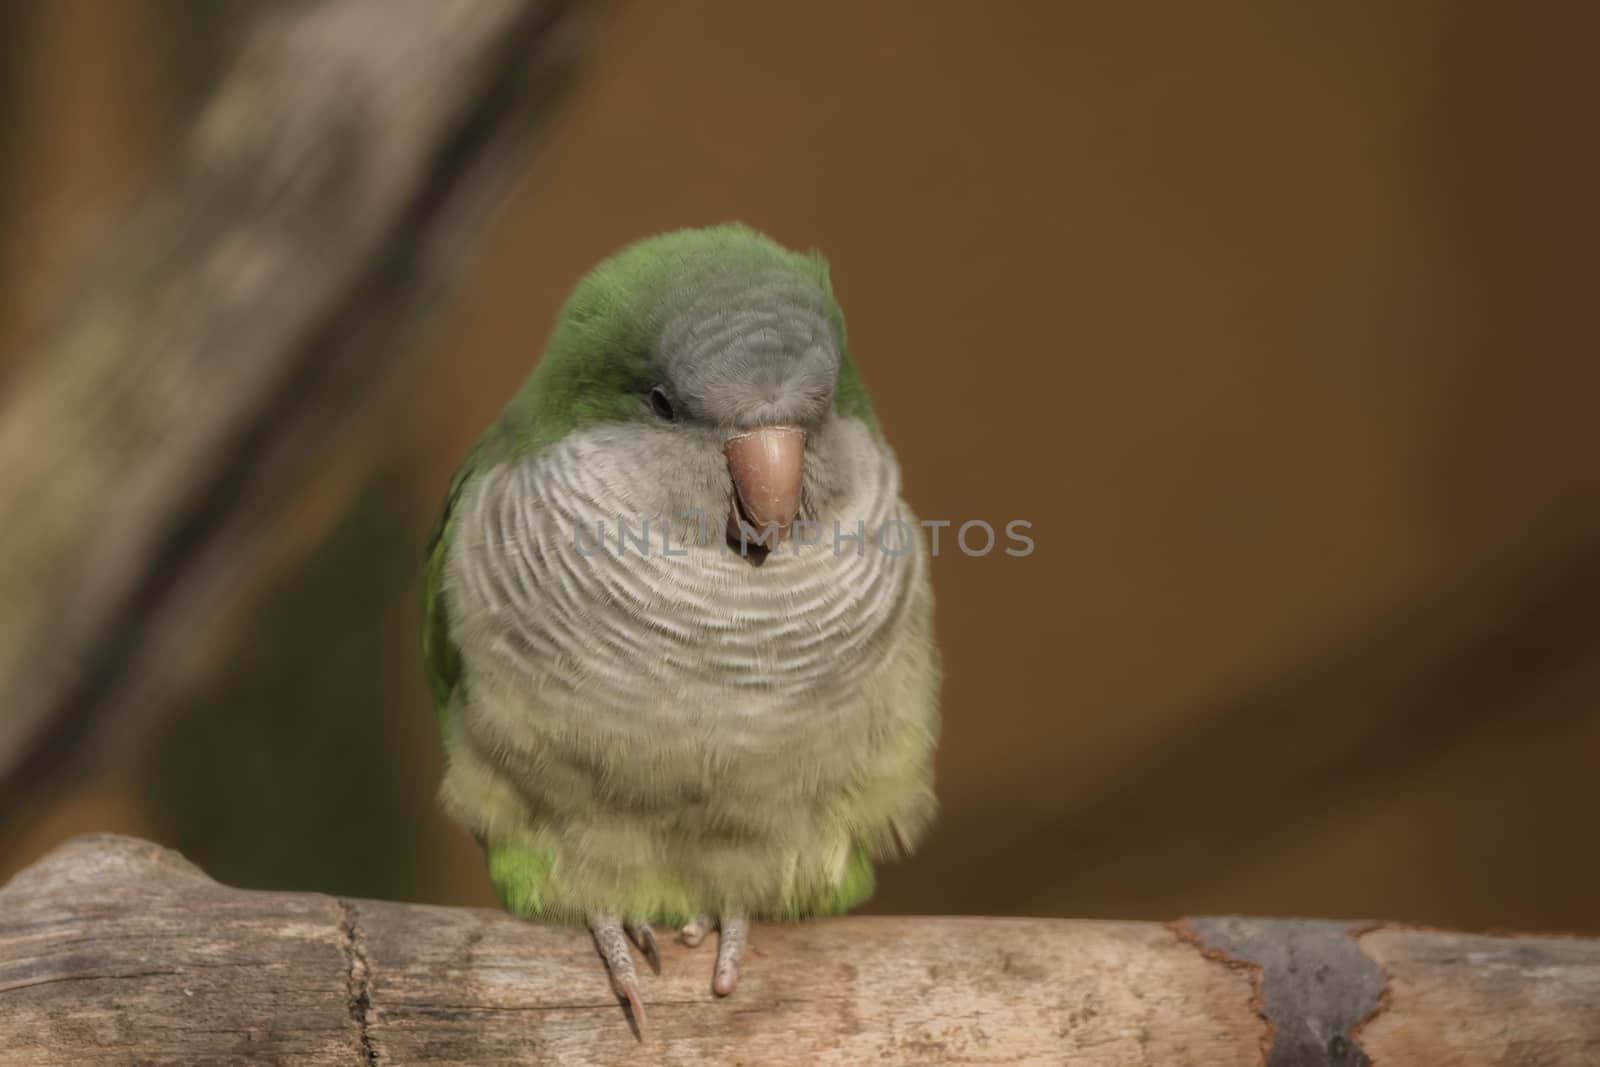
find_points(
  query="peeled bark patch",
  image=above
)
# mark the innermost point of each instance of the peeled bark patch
(1315, 986)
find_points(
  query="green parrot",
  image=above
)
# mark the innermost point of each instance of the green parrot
(678, 620)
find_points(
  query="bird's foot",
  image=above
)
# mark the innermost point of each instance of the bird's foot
(611, 938)
(735, 931)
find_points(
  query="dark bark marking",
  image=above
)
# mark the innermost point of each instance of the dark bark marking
(1315, 987)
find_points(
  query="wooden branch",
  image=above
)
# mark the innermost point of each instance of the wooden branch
(114, 950)
(208, 359)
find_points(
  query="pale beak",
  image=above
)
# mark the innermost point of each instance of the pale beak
(767, 465)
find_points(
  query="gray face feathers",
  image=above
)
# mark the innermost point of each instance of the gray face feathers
(717, 359)
(742, 349)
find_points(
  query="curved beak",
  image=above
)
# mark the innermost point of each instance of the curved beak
(767, 465)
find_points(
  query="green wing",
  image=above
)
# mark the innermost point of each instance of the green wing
(440, 656)
(519, 868)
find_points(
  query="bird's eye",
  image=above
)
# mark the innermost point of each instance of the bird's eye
(661, 404)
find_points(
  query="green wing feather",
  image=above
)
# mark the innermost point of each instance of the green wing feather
(516, 869)
(440, 656)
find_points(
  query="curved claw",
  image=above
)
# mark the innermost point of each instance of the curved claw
(613, 945)
(628, 990)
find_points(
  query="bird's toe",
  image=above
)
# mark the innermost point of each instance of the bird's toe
(696, 929)
(735, 932)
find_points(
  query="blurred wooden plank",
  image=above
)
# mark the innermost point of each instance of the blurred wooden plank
(112, 948)
(325, 194)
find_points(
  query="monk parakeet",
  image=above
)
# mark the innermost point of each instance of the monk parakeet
(678, 619)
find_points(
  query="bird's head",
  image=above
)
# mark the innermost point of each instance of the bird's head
(714, 347)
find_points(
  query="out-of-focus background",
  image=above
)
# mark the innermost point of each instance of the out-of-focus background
(1277, 322)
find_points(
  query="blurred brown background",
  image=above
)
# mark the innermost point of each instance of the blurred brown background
(1276, 321)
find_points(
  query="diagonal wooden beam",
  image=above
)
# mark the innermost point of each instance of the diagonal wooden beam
(324, 196)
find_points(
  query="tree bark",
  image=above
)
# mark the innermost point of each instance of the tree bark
(114, 950)
(323, 197)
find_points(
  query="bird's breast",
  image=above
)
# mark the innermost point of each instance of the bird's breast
(577, 590)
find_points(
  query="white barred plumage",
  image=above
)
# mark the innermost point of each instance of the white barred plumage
(637, 640)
